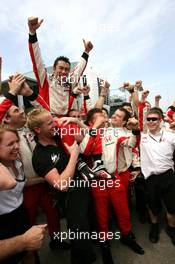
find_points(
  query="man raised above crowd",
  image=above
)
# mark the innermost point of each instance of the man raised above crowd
(59, 88)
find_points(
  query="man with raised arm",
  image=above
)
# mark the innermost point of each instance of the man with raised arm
(59, 88)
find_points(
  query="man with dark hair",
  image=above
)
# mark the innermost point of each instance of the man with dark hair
(158, 111)
(156, 149)
(128, 107)
(61, 58)
(120, 117)
(60, 88)
(74, 113)
(91, 114)
(108, 143)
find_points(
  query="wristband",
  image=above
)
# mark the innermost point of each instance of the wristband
(92, 132)
(74, 95)
(85, 56)
(136, 132)
(136, 169)
(86, 97)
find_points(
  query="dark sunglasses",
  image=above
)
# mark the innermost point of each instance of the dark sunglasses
(78, 116)
(152, 119)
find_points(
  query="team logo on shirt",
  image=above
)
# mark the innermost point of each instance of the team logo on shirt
(55, 158)
(144, 139)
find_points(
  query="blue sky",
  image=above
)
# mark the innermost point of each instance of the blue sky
(132, 39)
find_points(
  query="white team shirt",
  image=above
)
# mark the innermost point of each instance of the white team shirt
(156, 152)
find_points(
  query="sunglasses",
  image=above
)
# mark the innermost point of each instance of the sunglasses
(78, 116)
(152, 119)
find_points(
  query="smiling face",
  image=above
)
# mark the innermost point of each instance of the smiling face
(74, 113)
(153, 122)
(47, 128)
(61, 70)
(9, 146)
(118, 119)
(15, 117)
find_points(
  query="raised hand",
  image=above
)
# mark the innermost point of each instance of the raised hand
(88, 46)
(86, 90)
(145, 94)
(15, 83)
(105, 88)
(127, 86)
(133, 123)
(158, 97)
(73, 150)
(34, 24)
(78, 89)
(138, 85)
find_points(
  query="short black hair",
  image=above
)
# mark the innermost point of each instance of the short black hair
(172, 107)
(61, 58)
(103, 108)
(127, 114)
(71, 110)
(91, 113)
(126, 104)
(156, 110)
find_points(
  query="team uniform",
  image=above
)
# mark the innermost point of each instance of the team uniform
(115, 193)
(156, 153)
(58, 97)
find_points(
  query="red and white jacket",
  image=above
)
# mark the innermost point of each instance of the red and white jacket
(143, 108)
(171, 114)
(110, 141)
(58, 98)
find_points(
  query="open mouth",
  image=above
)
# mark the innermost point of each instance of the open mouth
(14, 153)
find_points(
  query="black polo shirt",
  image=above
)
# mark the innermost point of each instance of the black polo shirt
(45, 158)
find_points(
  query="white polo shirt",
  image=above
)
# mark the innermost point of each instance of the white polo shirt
(156, 152)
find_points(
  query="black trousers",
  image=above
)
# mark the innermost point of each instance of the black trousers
(78, 208)
(13, 224)
(161, 188)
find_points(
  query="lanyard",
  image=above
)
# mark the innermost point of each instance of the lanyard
(160, 140)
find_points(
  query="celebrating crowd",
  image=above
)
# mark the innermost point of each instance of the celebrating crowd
(80, 163)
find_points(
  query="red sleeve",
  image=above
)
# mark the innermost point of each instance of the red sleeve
(4, 107)
(91, 145)
(39, 68)
(170, 114)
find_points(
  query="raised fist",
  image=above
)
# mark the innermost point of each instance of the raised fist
(88, 46)
(34, 24)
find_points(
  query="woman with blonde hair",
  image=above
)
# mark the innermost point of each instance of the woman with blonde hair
(13, 219)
